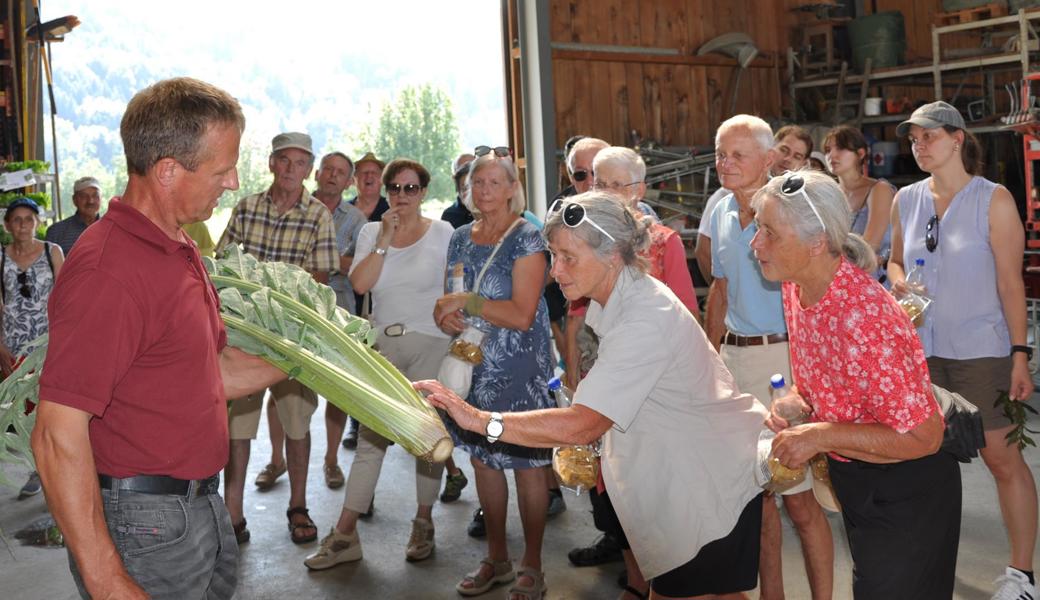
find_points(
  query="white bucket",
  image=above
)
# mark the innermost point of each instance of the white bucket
(872, 107)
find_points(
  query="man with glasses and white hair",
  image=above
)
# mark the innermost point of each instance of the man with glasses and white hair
(579, 163)
(745, 314)
(282, 223)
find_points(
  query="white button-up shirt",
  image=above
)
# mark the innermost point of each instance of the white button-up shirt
(678, 463)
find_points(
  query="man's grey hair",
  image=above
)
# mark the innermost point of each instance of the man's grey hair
(752, 125)
(619, 157)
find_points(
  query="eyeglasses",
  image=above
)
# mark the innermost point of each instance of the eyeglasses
(581, 175)
(795, 184)
(574, 215)
(25, 290)
(409, 189)
(931, 237)
(500, 151)
(615, 186)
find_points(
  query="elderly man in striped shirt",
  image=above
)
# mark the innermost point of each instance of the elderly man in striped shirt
(283, 223)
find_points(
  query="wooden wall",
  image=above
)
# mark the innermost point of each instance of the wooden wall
(673, 100)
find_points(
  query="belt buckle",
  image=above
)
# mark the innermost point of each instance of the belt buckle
(395, 330)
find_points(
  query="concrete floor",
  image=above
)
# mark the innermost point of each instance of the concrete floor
(272, 567)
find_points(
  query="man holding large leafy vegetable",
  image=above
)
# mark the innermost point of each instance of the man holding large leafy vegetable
(131, 430)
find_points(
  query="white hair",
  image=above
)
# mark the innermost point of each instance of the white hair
(581, 145)
(754, 126)
(621, 158)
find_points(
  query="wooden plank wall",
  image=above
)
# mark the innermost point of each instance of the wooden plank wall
(674, 104)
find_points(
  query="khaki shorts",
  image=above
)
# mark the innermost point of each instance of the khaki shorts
(978, 380)
(295, 404)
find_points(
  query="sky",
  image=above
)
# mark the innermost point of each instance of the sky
(312, 47)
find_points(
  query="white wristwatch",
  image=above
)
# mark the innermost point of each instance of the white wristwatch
(494, 427)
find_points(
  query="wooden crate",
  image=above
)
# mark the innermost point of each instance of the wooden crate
(968, 15)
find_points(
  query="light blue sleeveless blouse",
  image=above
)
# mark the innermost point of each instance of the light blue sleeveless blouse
(966, 318)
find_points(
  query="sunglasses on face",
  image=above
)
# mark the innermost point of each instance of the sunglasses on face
(25, 290)
(409, 189)
(581, 175)
(500, 151)
(931, 236)
(574, 215)
(795, 184)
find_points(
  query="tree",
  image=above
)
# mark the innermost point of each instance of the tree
(254, 174)
(420, 125)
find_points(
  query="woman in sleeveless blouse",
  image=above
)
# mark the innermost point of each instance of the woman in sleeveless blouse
(968, 232)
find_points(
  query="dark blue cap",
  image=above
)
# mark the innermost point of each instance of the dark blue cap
(23, 201)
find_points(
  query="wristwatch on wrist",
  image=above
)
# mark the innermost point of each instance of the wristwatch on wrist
(494, 427)
(1027, 350)
(380, 251)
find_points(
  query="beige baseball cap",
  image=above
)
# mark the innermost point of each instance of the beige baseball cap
(292, 139)
(85, 182)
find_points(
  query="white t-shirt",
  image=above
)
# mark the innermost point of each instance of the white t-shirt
(679, 461)
(412, 278)
(703, 228)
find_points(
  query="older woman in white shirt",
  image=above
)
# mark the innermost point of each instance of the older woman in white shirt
(678, 438)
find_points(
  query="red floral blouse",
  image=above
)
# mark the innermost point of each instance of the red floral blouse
(855, 356)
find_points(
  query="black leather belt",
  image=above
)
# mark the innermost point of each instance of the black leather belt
(733, 339)
(161, 484)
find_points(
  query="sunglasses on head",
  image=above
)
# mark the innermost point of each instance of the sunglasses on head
(500, 151)
(409, 189)
(795, 184)
(931, 236)
(24, 290)
(581, 175)
(574, 215)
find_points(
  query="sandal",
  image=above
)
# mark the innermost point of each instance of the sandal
(241, 532)
(267, 476)
(535, 591)
(294, 527)
(502, 572)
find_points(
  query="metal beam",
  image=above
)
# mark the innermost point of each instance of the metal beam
(536, 91)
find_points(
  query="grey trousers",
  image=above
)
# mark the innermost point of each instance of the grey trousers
(172, 546)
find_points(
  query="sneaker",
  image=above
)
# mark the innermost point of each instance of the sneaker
(453, 486)
(371, 510)
(556, 503)
(602, 551)
(31, 487)
(420, 544)
(1014, 585)
(335, 548)
(334, 477)
(350, 441)
(477, 528)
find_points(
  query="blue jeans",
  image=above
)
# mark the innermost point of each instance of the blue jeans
(175, 547)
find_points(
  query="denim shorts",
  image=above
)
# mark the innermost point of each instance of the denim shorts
(174, 547)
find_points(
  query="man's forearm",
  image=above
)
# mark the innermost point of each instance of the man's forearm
(244, 373)
(65, 462)
(877, 443)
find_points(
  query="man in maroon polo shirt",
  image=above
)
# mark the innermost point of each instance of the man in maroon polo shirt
(132, 431)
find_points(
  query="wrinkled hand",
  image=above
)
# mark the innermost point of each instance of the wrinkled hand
(794, 446)
(464, 414)
(1021, 380)
(447, 312)
(388, 226)
(776, 422)
(899, 288)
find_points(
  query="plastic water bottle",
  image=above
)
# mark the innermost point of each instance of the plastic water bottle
(560, 392)
(915, 278)
(770, 474)
(457, 278)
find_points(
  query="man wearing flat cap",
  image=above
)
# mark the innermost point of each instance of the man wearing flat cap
(86, 195)
(368, 177)
(283, 223)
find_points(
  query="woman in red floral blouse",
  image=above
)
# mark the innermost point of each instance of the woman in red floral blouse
(858, 364)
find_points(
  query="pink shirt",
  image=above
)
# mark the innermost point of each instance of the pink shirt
(855, 356)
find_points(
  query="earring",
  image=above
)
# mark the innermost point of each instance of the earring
(956, 147)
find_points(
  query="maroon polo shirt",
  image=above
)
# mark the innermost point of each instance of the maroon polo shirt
(135, 340)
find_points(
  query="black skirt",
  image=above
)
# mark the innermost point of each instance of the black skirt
(903, 522)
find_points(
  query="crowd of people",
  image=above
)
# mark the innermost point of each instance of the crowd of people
(804, 265)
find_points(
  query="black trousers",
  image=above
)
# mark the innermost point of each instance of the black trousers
(903, 522)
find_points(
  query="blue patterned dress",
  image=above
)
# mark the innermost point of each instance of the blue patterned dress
(517, 364)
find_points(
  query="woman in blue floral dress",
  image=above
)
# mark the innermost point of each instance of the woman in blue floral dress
(516, 367)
